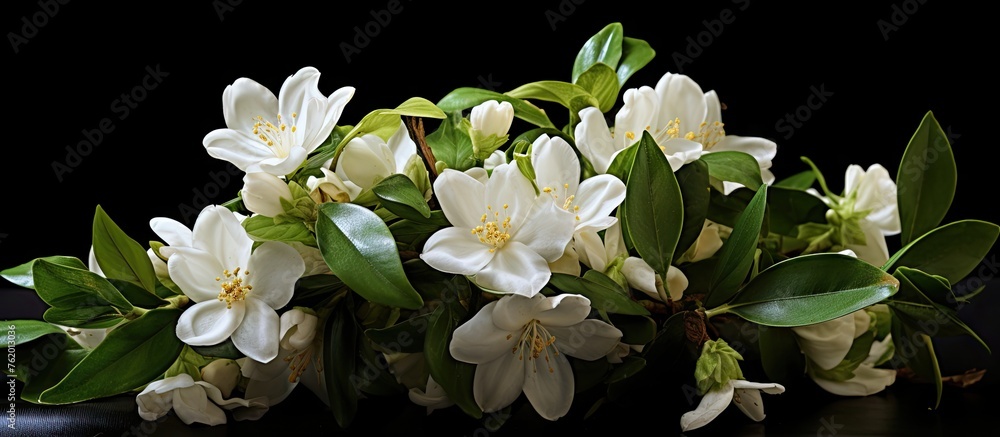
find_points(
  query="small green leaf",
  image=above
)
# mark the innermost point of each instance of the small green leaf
(69, 287)
(635, 329)
(799, 181)
(119, 256)
(451, 144)
(810, 289)
(406, 336)
(601, 82)
(734, 166)
(919, 296)
(915, 350)
(630, 366)
(360, 250)
(780, 355)
(22, 275)
(27, 330)
(654, 207)
(131, 356)
(400, 195)
(789, 208)
(261, 228)
(454, 376)
(695, 192)
(226, 349)
(136, 295)
(952, 250)
(571, 96)
(467, 97)
(737, 254)
(604, 293)
(339, 349)
(636, 53)
(926, 180)
(418, 107)
(604, 47)
(84, 317)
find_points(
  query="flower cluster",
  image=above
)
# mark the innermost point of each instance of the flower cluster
(502, 255)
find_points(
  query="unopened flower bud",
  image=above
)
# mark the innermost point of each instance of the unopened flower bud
(329, 188)
(222, 373)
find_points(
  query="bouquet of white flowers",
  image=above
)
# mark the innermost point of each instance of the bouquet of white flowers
(429, 251)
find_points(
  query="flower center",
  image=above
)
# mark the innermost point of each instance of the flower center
(233, 288)
(708, 134)
(278, 137)
(568, 199)
(493, 231)
(537, 341)
(298, 362)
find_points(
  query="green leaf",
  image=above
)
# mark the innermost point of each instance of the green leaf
(339, 348)
(571, 96)
(636, 53)
(621, 166)
(360, 250)
(915, 350)
(604, 293)
(225, 349)
(401, 196)
(22, 275)
(635, 329)
(385, 122)
(914, 298)
(600, 81)
(736, 255)
(455, 377)
(418, 107)
(844, 370)
(84, 317)
(604, 47)
(261, 228)
(654, 207)
(695, 192)
(780, 355)
(136, 295)
(952, 250)
(131, 356)
(451, 144)
(313, 289)
(734, 166)
(69, 287)
(810, 289)
(119, 256)
(58, 353)
(926, 180)
(467, 97)
(788, 208)
(412, 235)
(630, 366)
(798, 181)
(27, 330)
(726, 209)
(406, 336)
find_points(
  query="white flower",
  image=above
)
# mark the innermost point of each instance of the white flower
(236, 291)
(708, 243)
(275, 134)
(499, 234)
(557, 174)
(744, 394)
(262, 192)
(826, 344)
(190, 401)
(599, 255)
(433, 397)
(870, 198)
(297, 363)
(368, 159)
(520, 345)
(492, 117)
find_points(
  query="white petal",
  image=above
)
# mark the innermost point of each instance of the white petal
(853, 178)
(479, 340)
(280, 166)
(498, 383)
(172, 232)
(568, 263)
(867, 380)
(243, 101)
(750, 403)
(192, 406)
(638, 113)
(274, 267)
(591, 250)
(713, 109)
(209, 323)
(546, 231)
(762, 149)
(593, 139)
(462, 198)
(556, 165)
(297, 329)
(874, 251)
(92, 263)
(275, 389)
(640, 276)
(515, 268)
(508, 186)
(680, 151)
(563, 310)
(298, 89)
(514, 311)
(335, 104)
(766, 387)
(597, 197)
(367, 160)
(712, 404)
(827, 343)
(614, 242)
(878, 195)
(262, 192)
(218, 232)
(549, 391)
(257, 337)
(681, 97)
(455, 250)
(401, 146)
(588, 340)
(194, 271)
(238, 148)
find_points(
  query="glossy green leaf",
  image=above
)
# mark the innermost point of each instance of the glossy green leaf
(810, 289)
(601, 82)
(399, 194)
(726, 209)
(360, 250)
(915, 351)
(630, 366)
(454, 376)
(780, 355)
(733, 166)
(405, 336)
(635, 329)
(636, 53)
(571, 96)
(21, 275)
(695, 192)
(789, 208)
(798, 181)
(385, 122)
(119, 256)
(27, 330)
(654, 208)
(226, 349)
(111, 367)
(262, 228)
(451, 144)
(84, 317)
(69, 287)
(926, 180)
(467, 97)
(952, 250)
(339, 349)
(604, 47)
(914, 298)
(737, 253)
(604, 293)
(59, 355)
(136, 295)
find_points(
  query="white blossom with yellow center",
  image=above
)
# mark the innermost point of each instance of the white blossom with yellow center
(275, 134)
(236, 291)
(501, 233)
(520, 345)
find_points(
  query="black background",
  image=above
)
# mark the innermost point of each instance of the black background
(66, 78)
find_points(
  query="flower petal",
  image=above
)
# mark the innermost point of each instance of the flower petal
(515, 268)
(593, 139)
(867, 380)
(275, 389)
(282, 165)
(194, 271)
(766, 387)
(550, 390)
(462, 198)
(588, 340)
(568, 263)
(597, 197)
(681, 97)
(261, 193)
(591, 249)
(209, 323)
(172, 232)
(457, 251)
(827, 343)
(238, 148)
(479, 340)
(273, 269)
(680, 151)
(243, 101)
(498, 383)
(367, 160)
(556, 166)
(298, 89)
(192, 406)
(638, 113)
(508, 186)
(713, 109)
(546, 231)
(512, 312)
(750, 403)
(218, 232)
(874, 251)
(401, 146)
(640, 276)
(878, 195)
(712, 404)
(257, 337)
(762, 149)
(563, 310)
